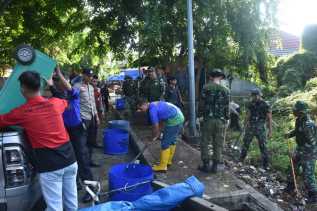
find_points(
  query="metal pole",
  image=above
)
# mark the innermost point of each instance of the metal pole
(192, 99)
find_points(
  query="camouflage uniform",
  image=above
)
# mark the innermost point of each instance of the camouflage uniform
(129, 88)
(306, 152)
(215, 110)
(152, 89)
(258, 111)
(144, 84)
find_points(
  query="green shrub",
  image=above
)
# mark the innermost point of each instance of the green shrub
(294, 72)
(277, 146)
(311, 84)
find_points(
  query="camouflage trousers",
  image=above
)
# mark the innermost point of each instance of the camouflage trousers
(257, 130)
(308, 171)
(213, 137)
(131, 101)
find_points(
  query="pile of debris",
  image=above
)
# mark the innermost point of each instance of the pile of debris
(269, 182)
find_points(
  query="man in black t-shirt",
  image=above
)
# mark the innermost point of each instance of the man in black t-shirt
(259, 113)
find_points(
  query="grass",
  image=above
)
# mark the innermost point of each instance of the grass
(277, 146)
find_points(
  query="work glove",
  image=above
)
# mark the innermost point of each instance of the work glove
(199, 120)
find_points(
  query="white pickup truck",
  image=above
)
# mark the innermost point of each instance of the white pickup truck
(19, 186)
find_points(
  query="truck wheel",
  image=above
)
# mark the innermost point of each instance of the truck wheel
(24, 54)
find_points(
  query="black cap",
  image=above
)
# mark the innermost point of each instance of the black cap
(88, 72)
(171, 78)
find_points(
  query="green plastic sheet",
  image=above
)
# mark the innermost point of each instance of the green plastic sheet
(10, 94)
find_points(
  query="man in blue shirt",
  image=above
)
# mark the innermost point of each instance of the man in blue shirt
(173, 119)
(73, 123)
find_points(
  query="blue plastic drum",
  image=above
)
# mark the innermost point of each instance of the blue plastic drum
(119, 124)
(116, 141)
(125, 175)
(120, 104)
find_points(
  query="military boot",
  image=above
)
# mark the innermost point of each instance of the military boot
(243, 155)
(289, 188)
(214, 167)
(265, 165)
(312, 197)
(205, 167)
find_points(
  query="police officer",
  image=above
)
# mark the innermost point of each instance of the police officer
(259, 113)
(306, 152)
(215, 111)
(152, 87)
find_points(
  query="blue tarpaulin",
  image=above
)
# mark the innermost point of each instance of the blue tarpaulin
(119, 77)
(134, 73)
(162, 200)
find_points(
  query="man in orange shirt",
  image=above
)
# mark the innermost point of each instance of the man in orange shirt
(54, 157)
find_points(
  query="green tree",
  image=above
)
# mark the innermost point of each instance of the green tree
(39, 23)
(228, 34)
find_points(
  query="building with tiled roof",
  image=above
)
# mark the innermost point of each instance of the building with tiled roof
(283, 44)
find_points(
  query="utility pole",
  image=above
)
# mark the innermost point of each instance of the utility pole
(192, 98)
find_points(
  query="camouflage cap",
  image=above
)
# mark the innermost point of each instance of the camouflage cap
(256, 92)
(301, 106)
(216, 73)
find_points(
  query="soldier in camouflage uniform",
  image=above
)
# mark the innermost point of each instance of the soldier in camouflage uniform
(259, 113)
(143, 85)
(129, 89)
(152, 87)
(305, 155)
(215, 111)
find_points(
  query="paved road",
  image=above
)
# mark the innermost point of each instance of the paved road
(101, 174)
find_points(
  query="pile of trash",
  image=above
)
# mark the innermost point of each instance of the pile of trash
(268, 182)
(271, 183)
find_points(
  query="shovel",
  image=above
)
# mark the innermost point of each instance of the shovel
(293, 168)
(239, 139)
(139, 154)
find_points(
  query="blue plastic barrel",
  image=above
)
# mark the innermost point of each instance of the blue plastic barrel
(116, 141)
(120, 104)
(124, 175)
(119, 124)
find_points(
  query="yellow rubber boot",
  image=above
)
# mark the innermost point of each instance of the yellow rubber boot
(162, 167)
(172, 153)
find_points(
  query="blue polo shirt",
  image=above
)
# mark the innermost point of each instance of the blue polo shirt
(167, 112)
(71, 115)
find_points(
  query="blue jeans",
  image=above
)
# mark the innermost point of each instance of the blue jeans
(170, 134)
(59, 188)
